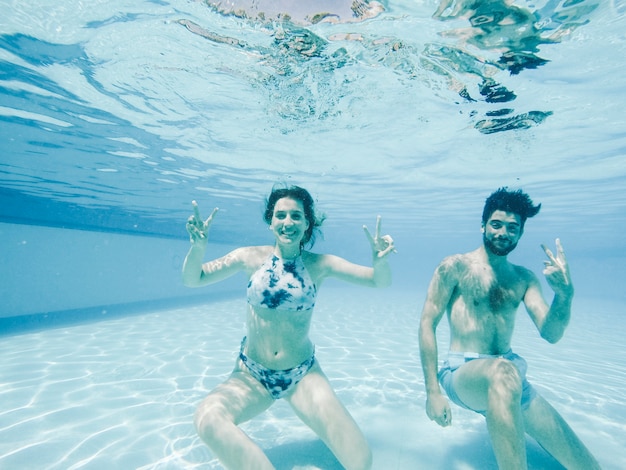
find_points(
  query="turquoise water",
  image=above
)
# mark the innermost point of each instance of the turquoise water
(117, 108)
(121, 393)
(115, 115)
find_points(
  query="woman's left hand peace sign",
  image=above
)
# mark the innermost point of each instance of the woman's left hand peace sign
(381, 245)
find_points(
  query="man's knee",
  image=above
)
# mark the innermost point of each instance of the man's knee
(506, 382)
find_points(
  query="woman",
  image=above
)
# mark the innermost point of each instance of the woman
(276, 358)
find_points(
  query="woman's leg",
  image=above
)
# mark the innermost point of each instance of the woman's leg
(317, 405)
(231, 403)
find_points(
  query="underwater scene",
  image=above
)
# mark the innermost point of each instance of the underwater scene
(116, 115)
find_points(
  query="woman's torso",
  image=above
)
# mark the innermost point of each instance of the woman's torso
(281, 296)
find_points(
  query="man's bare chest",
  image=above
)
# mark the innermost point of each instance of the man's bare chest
(493, 293)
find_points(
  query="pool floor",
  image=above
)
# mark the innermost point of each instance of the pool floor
(121, 393)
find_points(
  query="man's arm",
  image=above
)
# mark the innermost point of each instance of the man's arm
(439, 293)
(553, 320)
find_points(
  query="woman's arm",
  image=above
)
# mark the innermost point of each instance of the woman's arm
(379, 275)
(195, 273)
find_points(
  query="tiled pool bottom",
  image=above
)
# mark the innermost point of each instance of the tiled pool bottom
(121, 393)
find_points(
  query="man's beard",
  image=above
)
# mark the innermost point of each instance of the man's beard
(495, 250)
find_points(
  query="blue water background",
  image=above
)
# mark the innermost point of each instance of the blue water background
(114, 116)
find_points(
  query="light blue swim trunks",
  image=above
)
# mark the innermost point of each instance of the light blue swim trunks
(457, 359)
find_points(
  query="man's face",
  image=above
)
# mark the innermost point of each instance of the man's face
(502, 232)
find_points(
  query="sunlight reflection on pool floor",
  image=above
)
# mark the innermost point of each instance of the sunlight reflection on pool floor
(121, 393)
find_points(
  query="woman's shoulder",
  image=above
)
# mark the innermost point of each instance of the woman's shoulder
(315, 263)
(324, 265)
(317, 259)
(310, 256)
(260, 250)
(251, 256)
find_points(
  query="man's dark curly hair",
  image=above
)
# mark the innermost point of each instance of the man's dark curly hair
(516, 202)
(299, 194)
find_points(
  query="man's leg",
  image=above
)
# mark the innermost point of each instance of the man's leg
(549, 429)
(231, 403)
(495, 385)
(317, 405)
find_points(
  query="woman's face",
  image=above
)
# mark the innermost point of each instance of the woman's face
(289, 222)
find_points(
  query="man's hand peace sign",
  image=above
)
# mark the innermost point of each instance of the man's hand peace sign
(556, 270)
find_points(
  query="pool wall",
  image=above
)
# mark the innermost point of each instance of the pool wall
(51, 276)
(45, 270)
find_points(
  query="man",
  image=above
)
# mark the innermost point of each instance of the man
(481, 291)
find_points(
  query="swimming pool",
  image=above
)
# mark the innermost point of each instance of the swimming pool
(121, 393)
(116, 115)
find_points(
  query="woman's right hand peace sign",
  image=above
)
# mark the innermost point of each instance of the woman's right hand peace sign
(197, 228)
(381, 245)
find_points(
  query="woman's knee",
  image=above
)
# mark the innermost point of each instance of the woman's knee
(365, 460)
(357, 459)
(209, 418)
(356, 453)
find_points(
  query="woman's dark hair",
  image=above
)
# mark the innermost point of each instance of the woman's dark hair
(298, 194)
(516, 202)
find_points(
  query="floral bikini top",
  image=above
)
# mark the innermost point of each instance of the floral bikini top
(282, 284)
